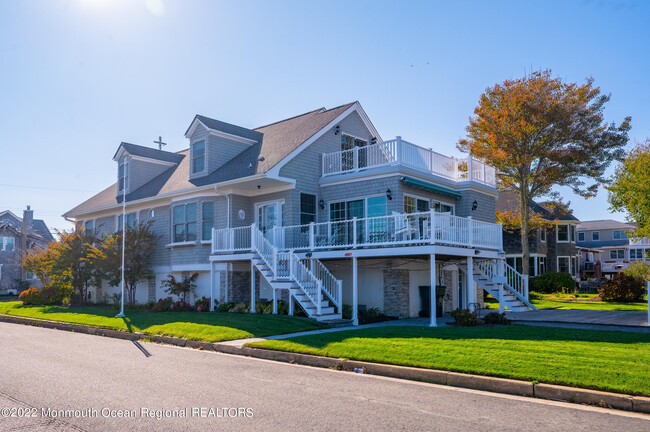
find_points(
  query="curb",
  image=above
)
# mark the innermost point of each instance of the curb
(455, 379)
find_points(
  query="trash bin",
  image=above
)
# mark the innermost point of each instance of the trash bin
(425, 298)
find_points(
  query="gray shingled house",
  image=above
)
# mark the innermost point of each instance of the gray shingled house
(317, 210)
(552, 249)
(16, 237)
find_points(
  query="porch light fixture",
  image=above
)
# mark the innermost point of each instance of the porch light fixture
(474, 205)
(477, 252)
(321, 204)
(259, 187)
(389, 194)
(373, 140)
(337, 129)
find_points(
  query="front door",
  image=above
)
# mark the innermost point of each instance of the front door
(269, 215)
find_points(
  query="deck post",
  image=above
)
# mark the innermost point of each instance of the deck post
(253, 236)
(252, 287)
(225, 282)
(433, 300)
(500, 274)
(432, 226)
(355, 160)
(290, 303)
(399, 150)
(470, 168)
(526, 287)
(355, 294)
(354, 231)
(471, 292)
(339, 295)
(470, 231)
(275, 301)
(311, 235)
(211, 287)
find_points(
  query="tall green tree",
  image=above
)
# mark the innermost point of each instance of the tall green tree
(141, 243)
(540, 132)
(630, 190)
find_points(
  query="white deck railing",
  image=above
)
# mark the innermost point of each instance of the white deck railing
(383, 231)
(400, 152)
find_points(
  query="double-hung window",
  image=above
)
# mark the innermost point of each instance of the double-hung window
(636, 254)
(184, 221)
(7, 244)
(123, 176)
(198, 157)
(131, 221)
(415, 205)
(441, 207)
(581, 236)
(595, 236)
(563, 233)
(307, 208)
(619, 235)
(617, 254)
(542, 234)
(89, 225)
(207, 220)
(563, 264)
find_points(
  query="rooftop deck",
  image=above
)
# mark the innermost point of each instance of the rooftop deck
(404, 153)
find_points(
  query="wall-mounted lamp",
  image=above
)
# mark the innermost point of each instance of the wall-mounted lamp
(477, 252)
(259, 187)
(308, 255)
(321, 204)
(474, 205)
(373, 140)
(389, 194)
(337, 129)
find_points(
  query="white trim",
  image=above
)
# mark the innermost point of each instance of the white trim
(151, 160)
(181, 244)
(204, 171)
(219, 133)
(596, 232)
(117, 218)
(275, 171)
(557, 233)
(557, 263)
(279, 203)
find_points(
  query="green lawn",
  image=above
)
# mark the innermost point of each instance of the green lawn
(206, 326)
(612, 361)
(585, 302)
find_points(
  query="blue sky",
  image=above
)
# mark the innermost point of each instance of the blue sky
(80, 76)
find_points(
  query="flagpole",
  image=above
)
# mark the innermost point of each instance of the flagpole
(121, 314)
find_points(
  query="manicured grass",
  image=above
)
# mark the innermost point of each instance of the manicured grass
(585, 302)
(612, 361)
(205, 326)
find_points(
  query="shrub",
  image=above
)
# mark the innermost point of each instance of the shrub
(202, 304)
(549, 283)
(162, 305)
(180, 288)
(32, 296)
(496, 318)
(241, 307)
(623, 288)
(639, 270)
(56, 295)
(224, 307)
(535, 296)
(180, 306)
(464, 317)
(347, 312)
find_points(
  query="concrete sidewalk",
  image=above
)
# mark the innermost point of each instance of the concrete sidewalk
(586, 319)
(418, 322)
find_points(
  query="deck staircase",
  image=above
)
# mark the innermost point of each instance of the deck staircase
(308, 281)
(515, 285)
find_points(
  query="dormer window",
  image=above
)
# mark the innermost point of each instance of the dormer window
(198, 157)
(123, 176)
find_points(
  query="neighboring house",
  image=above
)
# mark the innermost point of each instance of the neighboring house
(606, 241)
(316, 208)
(18, 236)
(552, 249)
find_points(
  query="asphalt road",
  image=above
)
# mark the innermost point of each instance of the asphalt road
(44, 369)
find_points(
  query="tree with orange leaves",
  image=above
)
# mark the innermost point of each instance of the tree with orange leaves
(540, 132)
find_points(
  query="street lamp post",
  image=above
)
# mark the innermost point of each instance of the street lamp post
(121, 314)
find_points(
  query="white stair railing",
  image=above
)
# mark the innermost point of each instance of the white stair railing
(307, 281)
(265, 249)
(517, 284)
(331, 286)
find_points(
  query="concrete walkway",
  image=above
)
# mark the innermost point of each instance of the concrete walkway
(418, 322)
(587, 319)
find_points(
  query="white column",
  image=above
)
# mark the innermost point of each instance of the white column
(275, 301)
(252, 287)
(471, 292)
(432, 277)
(290, 304)
(226, 279)
(211, 286)
(648, 304)
(355, 293)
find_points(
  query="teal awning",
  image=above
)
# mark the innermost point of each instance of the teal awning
(430, 187)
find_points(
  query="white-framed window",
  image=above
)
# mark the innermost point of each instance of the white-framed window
(542, 234)
(636, 254)
(123, 176)
(541, 262)
(414, 204)
(595, 236)
(581, 236)
(131, 221)
(307, 208)
(617, 254)
(562, 233)
(184, 222)
(198, 157)
(7, 244)
(443, 207)
(619, 235)
(89, 225)
(564, 264)
(207, 220)
(29, 275)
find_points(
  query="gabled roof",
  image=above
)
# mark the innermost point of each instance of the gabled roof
(226, 128)
(510, 201)
(148, 152)
(604, 224)
(38, 228)
(278, 141)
